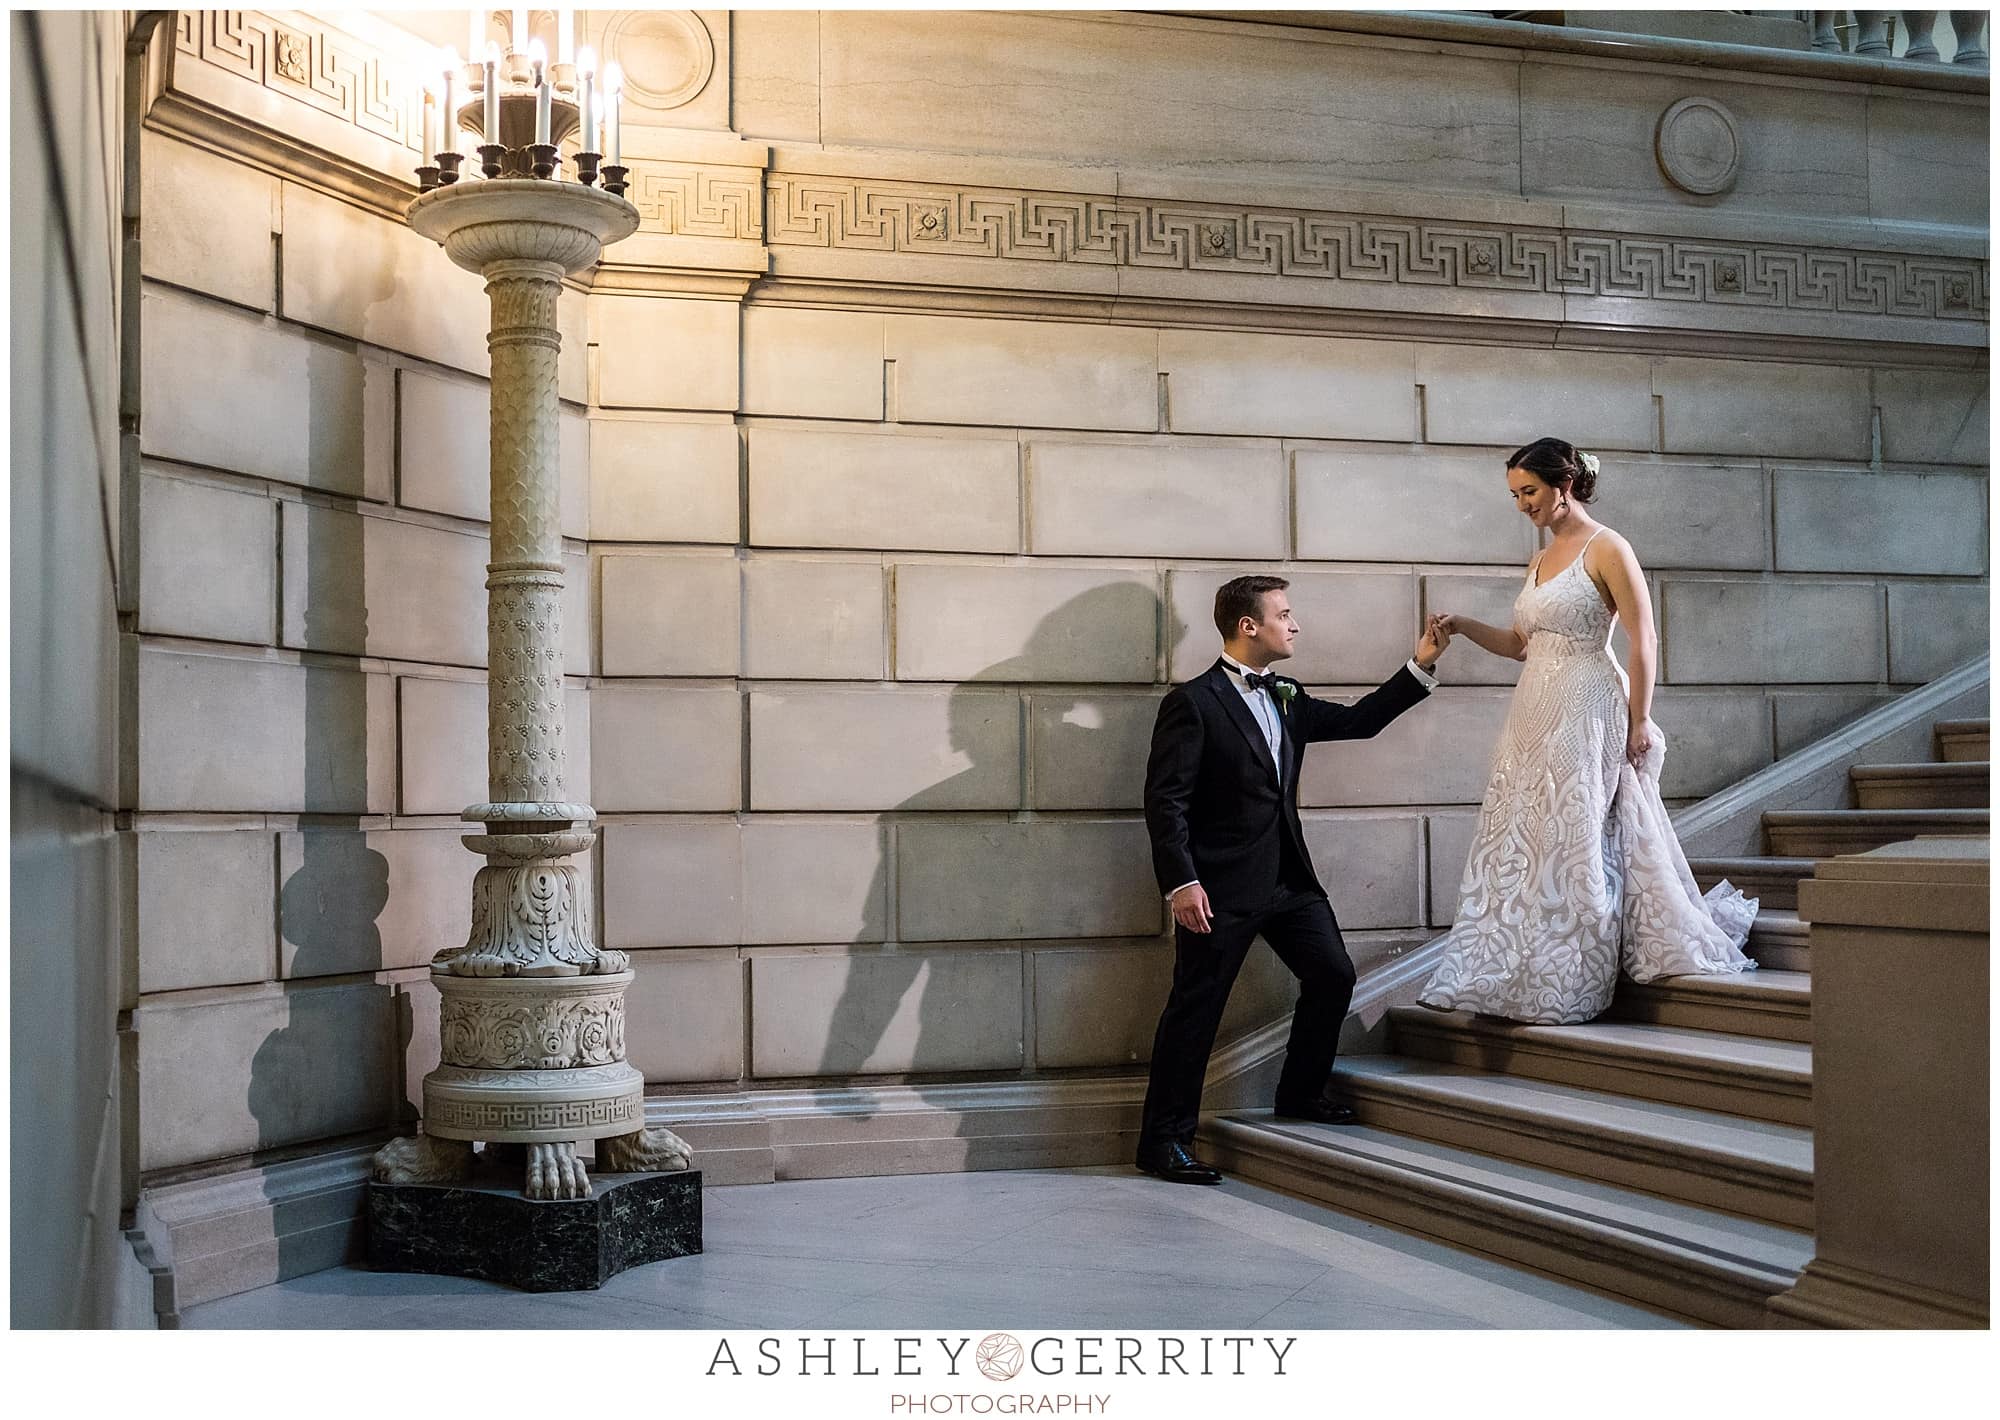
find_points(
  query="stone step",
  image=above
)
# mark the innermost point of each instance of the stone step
(1735, 1074)
(1747, 1166)
(1830, 833)
(1699, 1263)
(1767, 1004)
(1963, 740)
(1773, 881)
(1961, 784)
(1779, 941)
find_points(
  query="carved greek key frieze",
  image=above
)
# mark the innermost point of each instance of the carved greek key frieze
(482, 1119)
(303, 60)
(856, 214)
(682, 200)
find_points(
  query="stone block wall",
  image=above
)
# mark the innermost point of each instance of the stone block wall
(881, 556)
(71, 1175)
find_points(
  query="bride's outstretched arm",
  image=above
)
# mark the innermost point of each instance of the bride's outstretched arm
(1501, 641)
(1625, 581)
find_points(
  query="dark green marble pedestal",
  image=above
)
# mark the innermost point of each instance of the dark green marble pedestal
(484, 1228)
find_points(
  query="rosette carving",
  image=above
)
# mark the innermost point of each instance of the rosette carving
(559, 1034)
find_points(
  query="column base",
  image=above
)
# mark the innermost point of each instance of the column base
(534, 1106)
(484, 1228)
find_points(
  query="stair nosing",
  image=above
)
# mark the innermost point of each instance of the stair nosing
(1632, 1045)
(1641, 1147)
(1924, 769)
(1702, 1259)
(1738, 990)
(1887, 818)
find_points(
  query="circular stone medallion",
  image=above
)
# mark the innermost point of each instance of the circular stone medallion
(668, 56)
(1698, 147)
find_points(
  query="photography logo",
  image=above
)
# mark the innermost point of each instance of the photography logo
(999, 1357)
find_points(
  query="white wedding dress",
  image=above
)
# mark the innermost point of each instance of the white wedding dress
(1575, 872)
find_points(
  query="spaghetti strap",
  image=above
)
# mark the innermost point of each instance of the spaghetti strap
(1535, 567)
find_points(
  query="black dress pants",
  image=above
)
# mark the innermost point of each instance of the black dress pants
(1301, 930)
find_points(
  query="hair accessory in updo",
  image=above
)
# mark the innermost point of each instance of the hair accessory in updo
(1561, 465)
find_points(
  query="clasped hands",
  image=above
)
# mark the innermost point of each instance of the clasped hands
(1436, 636)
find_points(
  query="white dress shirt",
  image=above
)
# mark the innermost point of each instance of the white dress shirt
(1265, 711)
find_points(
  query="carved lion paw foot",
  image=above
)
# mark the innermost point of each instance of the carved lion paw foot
(423, 1159)
(647, 1151)
(554, 1171)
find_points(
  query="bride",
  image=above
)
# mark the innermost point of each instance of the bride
(1575, 871)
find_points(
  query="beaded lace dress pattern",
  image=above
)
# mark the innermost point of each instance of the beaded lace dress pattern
(1575, 871)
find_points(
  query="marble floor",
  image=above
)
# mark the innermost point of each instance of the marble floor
(1053, 1249)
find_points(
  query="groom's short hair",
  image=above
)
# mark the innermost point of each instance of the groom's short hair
(1240, 597)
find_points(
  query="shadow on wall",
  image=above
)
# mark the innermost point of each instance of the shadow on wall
(897, 1012)
(312, 1077)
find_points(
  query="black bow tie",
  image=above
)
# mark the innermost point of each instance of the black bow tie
(1268, 681)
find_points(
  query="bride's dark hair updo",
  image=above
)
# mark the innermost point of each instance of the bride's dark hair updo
(1556, 462)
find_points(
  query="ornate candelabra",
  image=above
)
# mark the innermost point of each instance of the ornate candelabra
(521, 107)
(531, 1009)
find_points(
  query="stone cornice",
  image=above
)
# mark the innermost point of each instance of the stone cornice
(860, 295)
(329, 105)
(1615, 45)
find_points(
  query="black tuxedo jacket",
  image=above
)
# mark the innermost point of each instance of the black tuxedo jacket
(1214, 805)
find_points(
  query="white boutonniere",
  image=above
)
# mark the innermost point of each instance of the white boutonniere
(1285, 690)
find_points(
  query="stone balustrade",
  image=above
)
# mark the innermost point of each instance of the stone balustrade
(1911, 35)
(1919, 36)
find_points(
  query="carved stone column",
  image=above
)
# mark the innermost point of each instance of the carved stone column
(532, 1011)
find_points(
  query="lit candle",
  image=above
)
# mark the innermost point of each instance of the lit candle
(538, 57)
(429, 149)
(565, 36)
(450, 103)
(586, 73)
(520, 32)
(614, 82)
(492, 94)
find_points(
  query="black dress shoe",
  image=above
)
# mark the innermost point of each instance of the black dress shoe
(1321, 1111)
(1175, 1164)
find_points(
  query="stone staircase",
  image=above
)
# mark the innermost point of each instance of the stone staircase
(1662, 1153)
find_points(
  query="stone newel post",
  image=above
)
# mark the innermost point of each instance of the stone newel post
(532, 1026)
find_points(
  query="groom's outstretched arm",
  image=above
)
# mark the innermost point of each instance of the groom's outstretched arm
(1367, 717)
(1171, 769)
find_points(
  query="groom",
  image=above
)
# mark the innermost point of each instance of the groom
(1222, 790)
